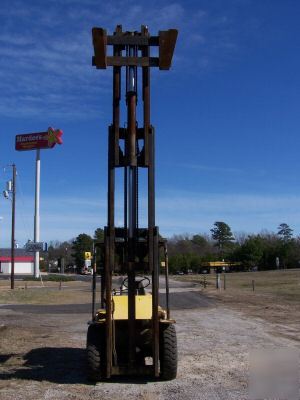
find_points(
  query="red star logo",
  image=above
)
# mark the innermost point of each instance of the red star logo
(54, 136)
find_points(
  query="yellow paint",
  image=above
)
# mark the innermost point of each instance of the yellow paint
(220, 264)
(87, 255)
(143, 307)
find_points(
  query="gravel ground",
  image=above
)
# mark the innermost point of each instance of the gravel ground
(42, 357)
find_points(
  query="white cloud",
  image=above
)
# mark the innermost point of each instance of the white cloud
(188, 212)
(177, 212)
(48, 49)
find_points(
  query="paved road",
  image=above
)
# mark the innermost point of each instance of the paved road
(88, 278)
(178, 301)
(183, 295)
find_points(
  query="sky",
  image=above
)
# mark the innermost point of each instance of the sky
(226, 114)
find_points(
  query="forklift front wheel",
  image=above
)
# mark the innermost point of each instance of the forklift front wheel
(94, 353)
(168, 352)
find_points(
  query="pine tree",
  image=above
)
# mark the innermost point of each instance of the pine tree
(285, 232)
(222, 234)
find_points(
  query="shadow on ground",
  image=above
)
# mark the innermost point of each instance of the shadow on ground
(53, 364)
(63, 365)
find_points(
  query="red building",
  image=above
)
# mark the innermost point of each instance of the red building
(24, 261)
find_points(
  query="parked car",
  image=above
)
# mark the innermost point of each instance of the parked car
(86, 271)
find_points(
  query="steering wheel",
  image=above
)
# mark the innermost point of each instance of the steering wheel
(145, 278)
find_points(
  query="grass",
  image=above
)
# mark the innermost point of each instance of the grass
(51, 278)
(32, 292)
(284, 283)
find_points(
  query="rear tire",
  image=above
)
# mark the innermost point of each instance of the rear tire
(168, 352)
(94, 352)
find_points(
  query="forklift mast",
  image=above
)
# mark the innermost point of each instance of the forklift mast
(131, 249)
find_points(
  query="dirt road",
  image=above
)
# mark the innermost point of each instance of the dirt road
(42, 354)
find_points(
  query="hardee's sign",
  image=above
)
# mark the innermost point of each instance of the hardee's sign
(39, 140)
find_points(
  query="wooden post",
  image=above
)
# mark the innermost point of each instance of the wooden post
(253, 285)
(218, 281)
(224, 281)
(59, 285)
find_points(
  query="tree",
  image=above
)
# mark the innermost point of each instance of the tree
(81, 244)
(99, 234)
(251, 251)
(100, 253)
(285, 232)
(199, 240)
(184, 262)
(222, 234)
(272, 248)
(291, 258)
(56, 252)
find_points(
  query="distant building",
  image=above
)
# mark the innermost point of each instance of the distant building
(222, 266)
(24, 261)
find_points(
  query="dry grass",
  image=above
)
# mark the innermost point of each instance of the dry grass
(50, 293)
(276, 297)
(283, 283)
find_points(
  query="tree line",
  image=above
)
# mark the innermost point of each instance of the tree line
(70, 253)
(266, 250)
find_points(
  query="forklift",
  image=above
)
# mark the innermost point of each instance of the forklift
(130, 334)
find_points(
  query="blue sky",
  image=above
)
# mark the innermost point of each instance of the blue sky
(226, 114)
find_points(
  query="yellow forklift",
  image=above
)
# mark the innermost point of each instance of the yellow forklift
(131, 334)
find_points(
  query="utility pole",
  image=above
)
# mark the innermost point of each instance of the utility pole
(1, 219)
(37, 213)
(13, 223)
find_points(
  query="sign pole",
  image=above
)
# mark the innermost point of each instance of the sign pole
(13, 222)
(37, 213)
(37, 141)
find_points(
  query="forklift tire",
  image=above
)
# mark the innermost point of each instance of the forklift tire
(168, 352)
(94, 352)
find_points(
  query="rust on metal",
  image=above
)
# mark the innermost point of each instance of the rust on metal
(167, 42)
(99, 43)
(133, 61)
